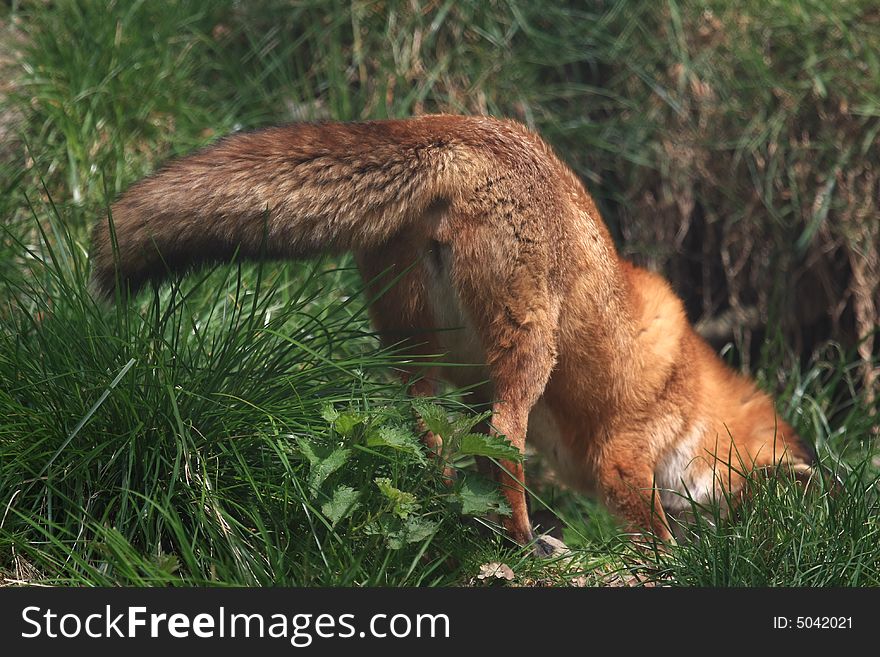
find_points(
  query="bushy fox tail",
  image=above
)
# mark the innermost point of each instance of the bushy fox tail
(282, 192)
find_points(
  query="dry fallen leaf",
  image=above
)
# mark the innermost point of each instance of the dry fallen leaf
(497, 570)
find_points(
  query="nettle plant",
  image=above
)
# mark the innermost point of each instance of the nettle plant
(360, 472)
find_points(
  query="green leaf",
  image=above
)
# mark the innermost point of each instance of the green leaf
(413, 530)
(308, 450)
(435, 418)
(480, 444)
(329, 413)
(340, 506)
(479, 496)
(466, 423)
(398, 438)
(167, 564)
(404, 503)
(346, 422)
(322, 462)
(335, 460)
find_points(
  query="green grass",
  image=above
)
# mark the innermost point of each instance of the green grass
(243, 426)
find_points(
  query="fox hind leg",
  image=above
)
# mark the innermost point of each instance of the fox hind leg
(401, 316)
(516, 320)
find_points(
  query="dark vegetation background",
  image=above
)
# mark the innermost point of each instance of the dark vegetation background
(732, 146)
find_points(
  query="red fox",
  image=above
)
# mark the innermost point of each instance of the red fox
(587, 355)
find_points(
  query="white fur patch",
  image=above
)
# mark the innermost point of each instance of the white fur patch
(684, 473)
(456, 332)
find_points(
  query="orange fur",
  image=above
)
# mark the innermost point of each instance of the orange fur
(588, 355)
